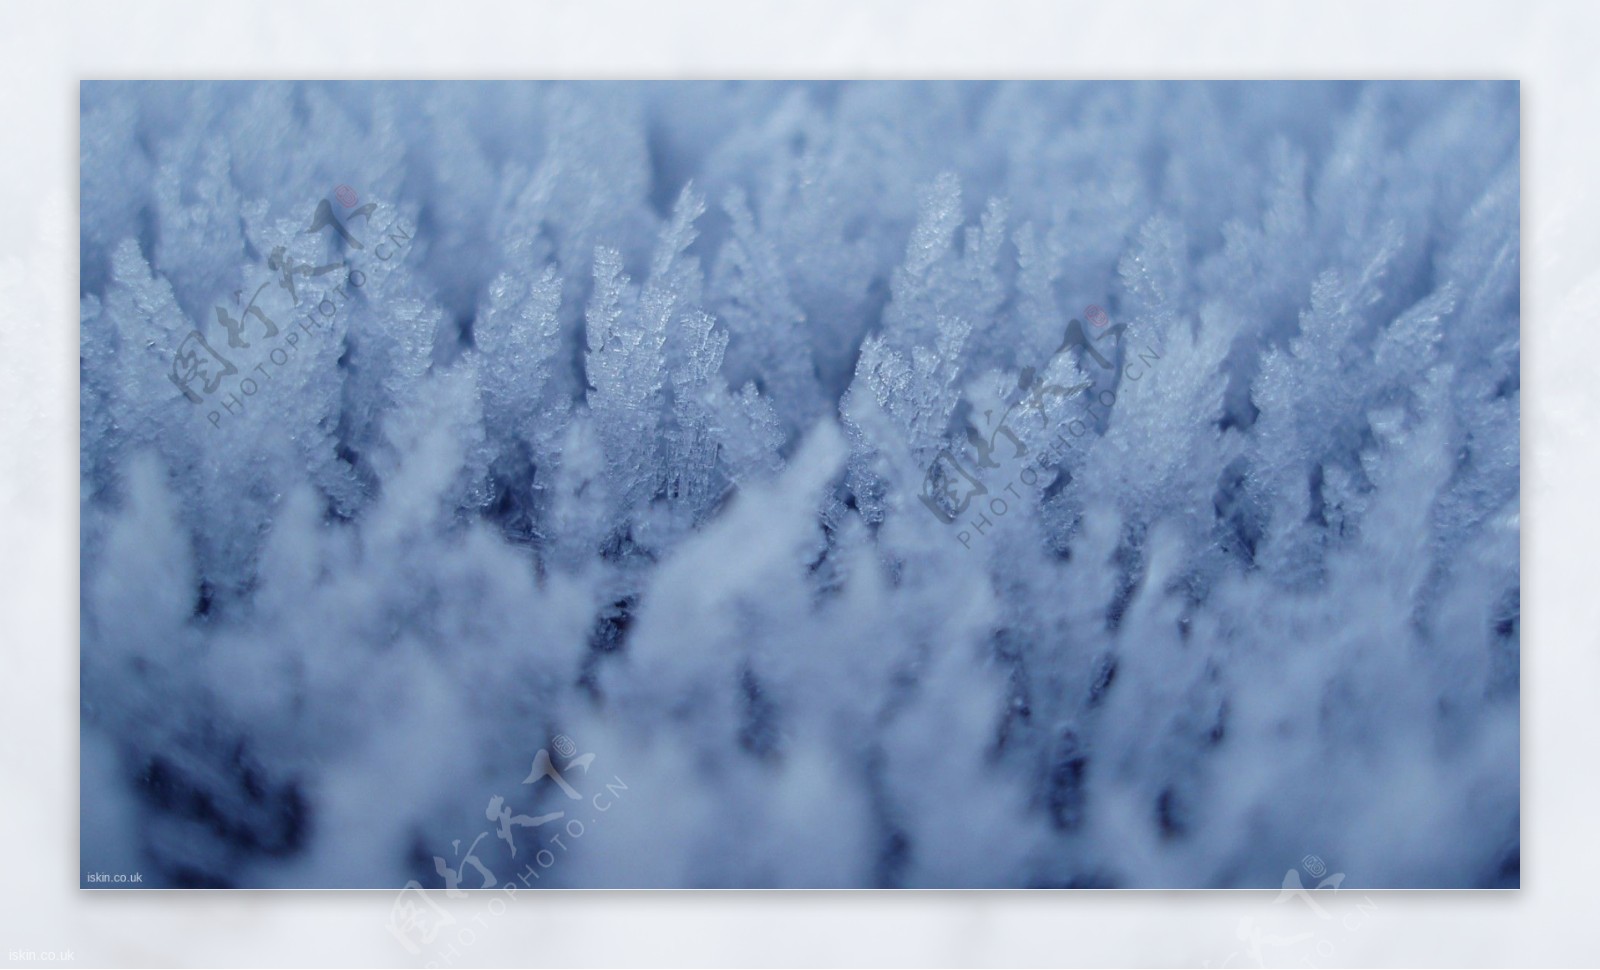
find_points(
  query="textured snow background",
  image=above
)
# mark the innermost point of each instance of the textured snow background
(628, 445)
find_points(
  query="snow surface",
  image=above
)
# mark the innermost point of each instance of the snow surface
(659, 435)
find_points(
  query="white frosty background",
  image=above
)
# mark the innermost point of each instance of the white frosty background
(627, 443)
